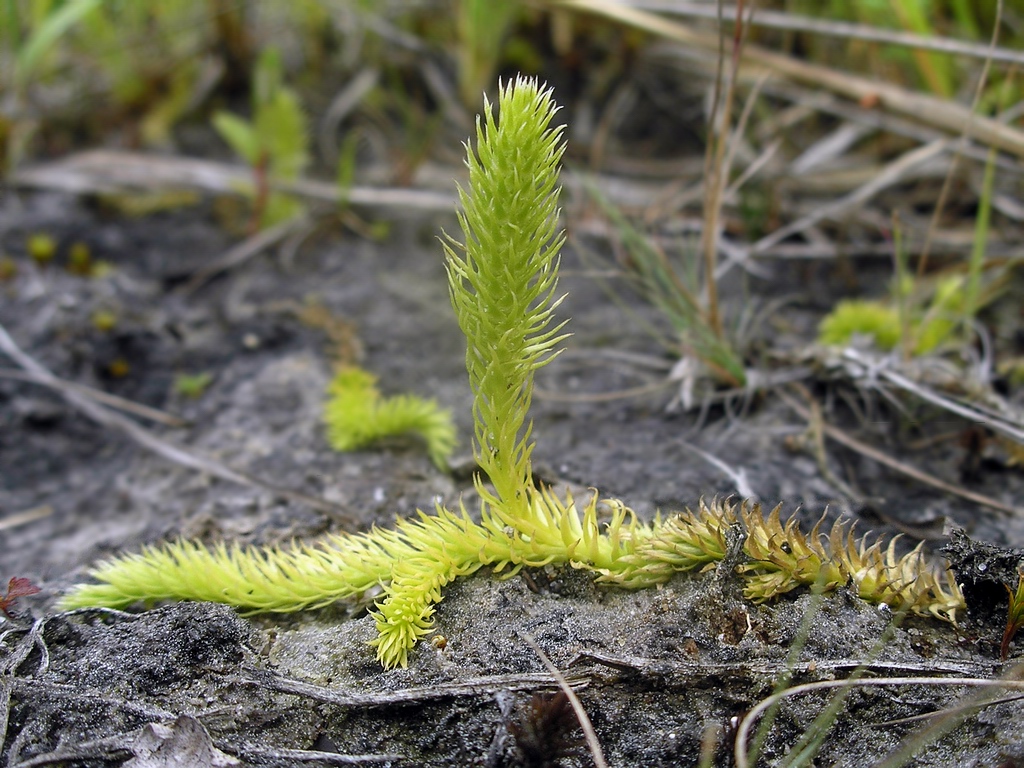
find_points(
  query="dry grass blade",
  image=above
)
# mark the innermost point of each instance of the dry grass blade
(186, 741)
(948, 711)
(581, 714)
(675, 294)
(314, 757)
(741, 754)
(965, 136)
(941, 723)
(1013, 430)
(27, 516)
(343, 103)
(120, 403)
(948, 116)
(485, 687)
(694, 672)
(716, 168)
(853, 443)
(893, 173)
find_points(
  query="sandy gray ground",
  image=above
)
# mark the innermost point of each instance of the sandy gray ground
(657, 670)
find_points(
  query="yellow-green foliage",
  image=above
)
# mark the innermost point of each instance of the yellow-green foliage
(104, 320)
(420, 556)
(927, 329)
(780, 558)
(502, 280)
(413, 561)
(858, 317)
(356, 416)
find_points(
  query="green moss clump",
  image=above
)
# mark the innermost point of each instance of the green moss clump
(858, 317)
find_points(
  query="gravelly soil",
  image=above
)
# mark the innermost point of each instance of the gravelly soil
(691, 655)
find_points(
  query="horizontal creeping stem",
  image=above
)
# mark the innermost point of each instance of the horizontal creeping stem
(418, 558)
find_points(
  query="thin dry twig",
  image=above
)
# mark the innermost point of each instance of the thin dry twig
(12, 662)
(810, 101)
(481, 686)
(26, 516)
(136, 743)
(892, 173)
(717, 162)
(687, 673)
(882, 458)
(343, 103)
(114, 401)
(75, 693)
(987, 417)
(825, 250)
(294, 756)
(946, 712)
(244, 251)
(581, 714)
(108, 418)
(965, 138)
(793, 22)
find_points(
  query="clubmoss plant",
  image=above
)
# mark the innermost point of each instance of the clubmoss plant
(503, 285)
(502, 281)
(780, 558)
(356, 416)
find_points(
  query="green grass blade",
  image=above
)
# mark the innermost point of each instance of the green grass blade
(43, 39)
(981, 227)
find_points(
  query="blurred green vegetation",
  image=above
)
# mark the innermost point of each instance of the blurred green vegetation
(939, 73)
(74, 70)
(274, 83)
(275, 143)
